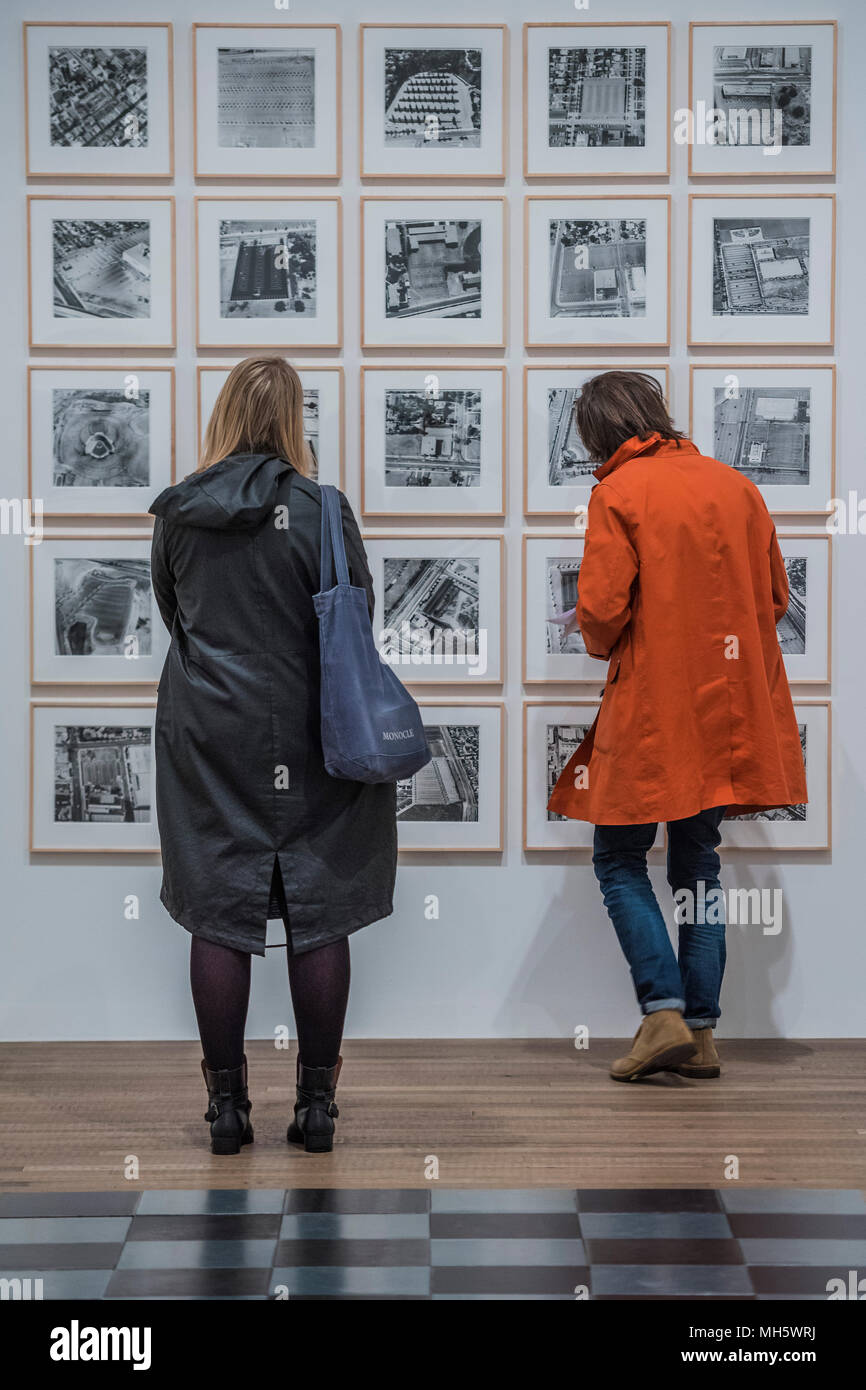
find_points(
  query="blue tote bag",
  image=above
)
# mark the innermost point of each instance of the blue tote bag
(372, 729)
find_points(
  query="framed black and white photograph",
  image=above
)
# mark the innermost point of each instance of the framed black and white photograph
(552, 731)
(94, 618)
(269, 272)
(557, 472)
(439, 606)
(324, 429)
(101, 439)
(99, 100)
(433, 101)
(101, 271)
(267, 101)
(762, 269)
(773, 423)
(762, 98)
(596, 99)
(553, 648)
(596, 271)
(456, 803)
(802, 827)
(92, 777)
(804, 631)
(433, 441)
(433, 272)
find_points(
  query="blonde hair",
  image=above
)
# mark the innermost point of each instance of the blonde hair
(260, 409)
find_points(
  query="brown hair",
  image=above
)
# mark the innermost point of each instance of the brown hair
(260, 409)
(615, 406)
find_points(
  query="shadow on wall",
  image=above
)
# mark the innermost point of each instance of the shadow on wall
(574, 973)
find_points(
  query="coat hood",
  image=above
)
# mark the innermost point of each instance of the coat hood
(632, 448)
(235, 494)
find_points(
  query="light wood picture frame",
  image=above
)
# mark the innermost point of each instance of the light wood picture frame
(740, 70)
(440, 605)
(94, 618)
(622, 90)
(773, 421)
(324, 412)
(102, 279)
(753, 254)
(590, 279)
(400, 138)
(794, 829)
(100, 437)
(805, 632)
(442, 422)
(243, 144)
(559, 480)
(470, 308)
(122, 126)
(79, 803)
(462, 786)
(230, 261)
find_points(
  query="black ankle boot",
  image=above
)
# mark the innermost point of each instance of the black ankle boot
(229, 1109)
(315, 1111)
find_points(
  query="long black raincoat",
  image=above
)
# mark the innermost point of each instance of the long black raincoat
(242, 796)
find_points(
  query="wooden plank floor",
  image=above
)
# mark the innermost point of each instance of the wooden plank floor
(513, 1113)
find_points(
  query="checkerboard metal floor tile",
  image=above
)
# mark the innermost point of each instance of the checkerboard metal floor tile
(435, 1243)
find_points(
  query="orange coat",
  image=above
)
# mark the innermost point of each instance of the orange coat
(680, 588)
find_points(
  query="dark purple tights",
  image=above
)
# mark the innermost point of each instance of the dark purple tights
(220, 980)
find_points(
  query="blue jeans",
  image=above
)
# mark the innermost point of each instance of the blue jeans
(693, 982)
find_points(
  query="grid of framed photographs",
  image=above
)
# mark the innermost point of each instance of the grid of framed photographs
(431, 283)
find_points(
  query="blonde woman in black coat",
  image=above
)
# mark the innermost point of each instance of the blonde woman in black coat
(251, 825)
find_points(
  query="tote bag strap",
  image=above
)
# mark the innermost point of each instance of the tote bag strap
(333, 545)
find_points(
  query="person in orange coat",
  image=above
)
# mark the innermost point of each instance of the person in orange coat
(680, 588)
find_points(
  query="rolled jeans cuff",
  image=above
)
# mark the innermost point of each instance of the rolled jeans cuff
(701, 1022)
(655, 1004)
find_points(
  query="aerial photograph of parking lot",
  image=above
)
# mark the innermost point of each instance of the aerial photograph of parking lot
(761, 269)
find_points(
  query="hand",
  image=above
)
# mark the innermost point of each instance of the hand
(567, 620)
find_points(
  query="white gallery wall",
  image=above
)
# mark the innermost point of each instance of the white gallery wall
(518, 944)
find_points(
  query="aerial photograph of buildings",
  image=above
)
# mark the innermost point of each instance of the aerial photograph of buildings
(98, 96)
(102, 773)
(433, 95)
(597, 96)
(267, 268)
(435, 597)
(598, 268)
(447, 788)
(764, 432)
(761, 269)
(773, 81)
(567, 459)
(101, 269)
(562, 741)
(432, 440)
(562, 575)
(433, 269)
(791, 627)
